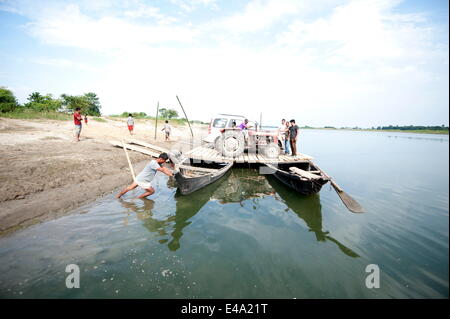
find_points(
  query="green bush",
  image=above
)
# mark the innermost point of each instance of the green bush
(31, 114)
(99, 119)
(8, 101)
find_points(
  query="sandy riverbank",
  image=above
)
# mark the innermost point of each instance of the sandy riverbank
(44, 173)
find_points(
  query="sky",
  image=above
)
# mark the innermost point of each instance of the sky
(335, 63)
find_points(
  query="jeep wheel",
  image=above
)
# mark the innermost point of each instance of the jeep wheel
(272, 150)
(232, 143)
(218, 145)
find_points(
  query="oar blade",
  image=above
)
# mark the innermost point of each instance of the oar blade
(349, 202)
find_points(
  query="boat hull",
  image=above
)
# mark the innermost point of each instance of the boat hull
(188, 185)
(300, 185)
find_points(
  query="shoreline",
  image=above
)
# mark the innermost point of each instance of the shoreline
(29, 212)
(45, 174)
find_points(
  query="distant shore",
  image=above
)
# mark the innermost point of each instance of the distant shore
(440, 132)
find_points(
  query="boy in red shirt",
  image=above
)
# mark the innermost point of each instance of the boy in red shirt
(77, 118)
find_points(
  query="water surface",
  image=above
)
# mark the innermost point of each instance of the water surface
(248, 236)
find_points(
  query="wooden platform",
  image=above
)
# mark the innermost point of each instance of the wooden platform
(209, 154)
(204, 153)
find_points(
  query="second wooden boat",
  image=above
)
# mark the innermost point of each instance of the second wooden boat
(305, 178)
(191, 176)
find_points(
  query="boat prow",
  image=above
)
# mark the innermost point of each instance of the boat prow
(193, 175)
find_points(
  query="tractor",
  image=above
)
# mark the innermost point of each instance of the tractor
(233, 142)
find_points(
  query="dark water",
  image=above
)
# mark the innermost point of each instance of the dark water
(248, 236)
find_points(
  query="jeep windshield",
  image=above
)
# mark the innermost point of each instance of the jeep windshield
(220, 123)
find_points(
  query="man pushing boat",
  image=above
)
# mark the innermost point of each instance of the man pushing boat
(145, 178)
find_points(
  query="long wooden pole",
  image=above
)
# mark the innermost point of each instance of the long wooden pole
(192, 134)
(156, 119)
(129, 162)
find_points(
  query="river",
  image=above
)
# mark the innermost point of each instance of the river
(248, 236)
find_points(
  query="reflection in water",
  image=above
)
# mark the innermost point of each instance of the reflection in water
(241, 185)
(186, 208)
(238, 186)
(144, 213)
(307, 208)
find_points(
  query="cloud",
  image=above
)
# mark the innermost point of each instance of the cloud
(361, 32)
(354, 63)
(70, 27)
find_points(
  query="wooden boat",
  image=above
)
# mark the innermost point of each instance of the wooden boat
(192, 176)
(306, 178)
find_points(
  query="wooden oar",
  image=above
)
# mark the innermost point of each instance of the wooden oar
(348, 201)
(129, 162)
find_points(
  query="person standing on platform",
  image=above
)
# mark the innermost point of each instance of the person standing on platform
(282, 134)
(293, 132)
(287, 142)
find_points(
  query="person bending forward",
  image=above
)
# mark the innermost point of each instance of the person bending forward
(145, 178)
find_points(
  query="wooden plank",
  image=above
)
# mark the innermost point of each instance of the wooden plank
(135, 148)
(262, 158)
(151, 146)
(213, 154)
(217, 157)
(200, 169)
(192, 151)
(209, 155)
(303, 173)
(285, 158)
(304, 156)
(203, 152)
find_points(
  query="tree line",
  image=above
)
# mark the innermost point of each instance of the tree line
(162, 113)
(88, 103)
(413, 127)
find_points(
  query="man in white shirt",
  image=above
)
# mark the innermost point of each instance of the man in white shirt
(145, 178)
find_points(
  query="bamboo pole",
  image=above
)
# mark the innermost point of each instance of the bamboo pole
(260, 121)
(156, 119)
(192, 134)
(129, 162)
